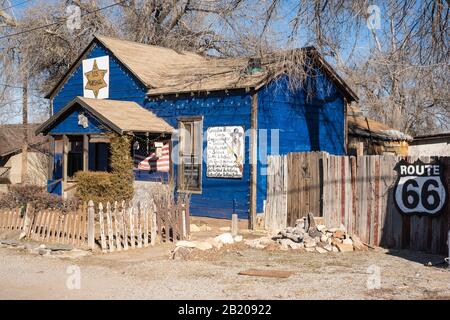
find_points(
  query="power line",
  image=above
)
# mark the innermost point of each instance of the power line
(16, 5)
(58, 22)
(15, 87)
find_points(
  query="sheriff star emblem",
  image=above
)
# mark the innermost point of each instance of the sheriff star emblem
(95, 79)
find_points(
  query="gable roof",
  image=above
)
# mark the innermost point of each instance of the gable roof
(13, 135)
(166, 71)
(119, 116)
(359, 125)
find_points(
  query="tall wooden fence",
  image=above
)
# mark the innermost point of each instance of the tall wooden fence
(111, 227)
(357, 192)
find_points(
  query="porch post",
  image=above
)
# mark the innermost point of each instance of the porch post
(253, 160)
(65, 159)
(85, 152)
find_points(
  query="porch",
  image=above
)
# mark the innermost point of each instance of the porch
(81, 133)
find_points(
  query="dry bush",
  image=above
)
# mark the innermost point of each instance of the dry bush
(19, 196)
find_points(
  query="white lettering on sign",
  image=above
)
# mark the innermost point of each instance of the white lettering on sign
(225, 152)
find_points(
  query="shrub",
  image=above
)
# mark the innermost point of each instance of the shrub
(115, 186)
(20, 194)
(122, 168)
(95, 186)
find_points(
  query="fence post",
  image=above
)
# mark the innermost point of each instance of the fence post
(91, 221)
(26, 222)
(448, 246)
(183, 221)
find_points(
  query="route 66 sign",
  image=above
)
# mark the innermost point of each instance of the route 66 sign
(420, 188)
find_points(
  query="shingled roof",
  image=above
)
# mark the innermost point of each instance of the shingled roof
(12, 137)
(120, 116)
(166, 71)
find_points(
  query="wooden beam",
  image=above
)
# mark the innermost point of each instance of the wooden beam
(65, 159)
(85, 152)
(253, 159)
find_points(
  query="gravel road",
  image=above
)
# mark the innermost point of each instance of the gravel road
(149, 274)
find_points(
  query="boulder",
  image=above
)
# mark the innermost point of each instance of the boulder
(204, 227)
(225, 238)
(300, 224)
(186, 244)
(342, 247)
(339, 234)
(347, 241)
(310, 243)
(194, 228)
(180, 253)
(321, 250)
(216, 244)
(44, 251)
(296, 246)
(238, 238)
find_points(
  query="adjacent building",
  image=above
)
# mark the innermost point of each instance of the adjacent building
(430, 145)
(12, 137)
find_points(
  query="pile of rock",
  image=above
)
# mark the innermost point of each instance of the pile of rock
(184, 247)
(308, 236)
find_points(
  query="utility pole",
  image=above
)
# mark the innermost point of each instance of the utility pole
(24, 177)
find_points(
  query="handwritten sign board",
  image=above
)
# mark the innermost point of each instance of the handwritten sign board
(225, 152)
(420, 188)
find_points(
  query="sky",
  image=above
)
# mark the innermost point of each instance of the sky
(281, 27)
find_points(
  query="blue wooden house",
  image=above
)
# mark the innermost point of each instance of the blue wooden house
(196, 121)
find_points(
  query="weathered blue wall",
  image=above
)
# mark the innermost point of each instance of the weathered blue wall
(304, 123)
(122, 84)
(216, 198)
(68, 124)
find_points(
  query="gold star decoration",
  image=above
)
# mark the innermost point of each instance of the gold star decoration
(95, 79)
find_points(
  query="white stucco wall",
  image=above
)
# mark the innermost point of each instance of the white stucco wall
(37, 168)
(431, 149)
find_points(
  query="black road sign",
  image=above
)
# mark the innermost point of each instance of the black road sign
(420, 188)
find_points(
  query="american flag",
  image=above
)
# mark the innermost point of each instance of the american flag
(153, 163)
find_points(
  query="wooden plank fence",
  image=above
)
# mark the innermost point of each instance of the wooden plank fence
(47, 225)
(122, 227)
(357, 192)
(113, 227)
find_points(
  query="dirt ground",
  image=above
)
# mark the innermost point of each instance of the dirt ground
(150, 274)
